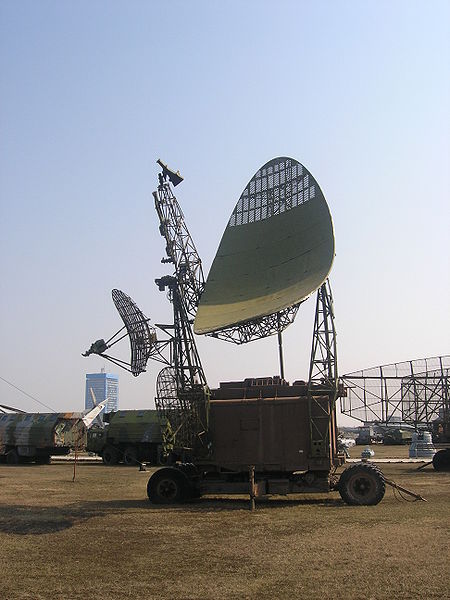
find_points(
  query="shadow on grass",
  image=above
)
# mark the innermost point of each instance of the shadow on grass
(230, 504)
(209, 504)
(105, 506)
(37, 520)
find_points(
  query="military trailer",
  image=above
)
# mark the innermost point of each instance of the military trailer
(129, 437)
(267, 427)
(34, 437)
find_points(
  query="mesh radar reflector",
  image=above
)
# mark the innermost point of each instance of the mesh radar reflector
(142, 336)
(143, 342)
(277, 249)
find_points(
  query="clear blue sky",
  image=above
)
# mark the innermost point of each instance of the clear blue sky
(93, 92)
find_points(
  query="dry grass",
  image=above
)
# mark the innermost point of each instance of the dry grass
(99, 538)
(382, 451)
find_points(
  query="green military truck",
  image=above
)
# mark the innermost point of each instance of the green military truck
(129, 436)
(397, 436)
(34, 437)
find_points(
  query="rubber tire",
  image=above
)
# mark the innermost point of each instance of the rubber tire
(130, 457)
(441, 460)
(12, 458)
(167, 486)
(362, 485)
(43, 460)
(110, 456)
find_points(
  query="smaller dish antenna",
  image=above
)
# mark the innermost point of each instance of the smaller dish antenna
(142, 336)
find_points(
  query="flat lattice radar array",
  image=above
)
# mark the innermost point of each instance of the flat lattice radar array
(415, 391)
(277, 249)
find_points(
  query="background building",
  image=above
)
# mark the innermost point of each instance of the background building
(105, 386)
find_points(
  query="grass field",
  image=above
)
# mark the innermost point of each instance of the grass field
(382, 451)
(100, 538)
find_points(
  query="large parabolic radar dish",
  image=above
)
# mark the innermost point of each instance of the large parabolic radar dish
(277, 249)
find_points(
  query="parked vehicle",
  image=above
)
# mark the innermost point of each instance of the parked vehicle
(397, 437)
(267, 427)
(34, 437)
(129, 436)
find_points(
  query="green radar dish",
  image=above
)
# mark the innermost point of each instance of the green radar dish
(277, 249)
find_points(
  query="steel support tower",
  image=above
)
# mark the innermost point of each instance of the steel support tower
(182, 392)
(323, 372)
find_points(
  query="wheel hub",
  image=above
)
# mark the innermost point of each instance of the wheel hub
(362, 486)
(167, 488)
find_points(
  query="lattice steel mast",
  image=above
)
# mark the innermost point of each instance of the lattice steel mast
(182, 391)
(323, 372)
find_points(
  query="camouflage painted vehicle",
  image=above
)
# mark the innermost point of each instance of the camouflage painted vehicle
(34, 437)
(131, 437)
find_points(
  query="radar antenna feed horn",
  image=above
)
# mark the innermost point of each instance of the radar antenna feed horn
(174, 177)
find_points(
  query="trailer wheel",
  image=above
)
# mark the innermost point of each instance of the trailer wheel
(130, 456)
(43, 460)
(441, 460)
(110, 456)
(12, 458)
(167, 486)
(362, 484)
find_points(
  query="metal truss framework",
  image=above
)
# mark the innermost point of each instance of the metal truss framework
(182, 397)
(180, 414)
(415, 392)
(323, 373)
(180, 248)
(258, 328)
(182, 391)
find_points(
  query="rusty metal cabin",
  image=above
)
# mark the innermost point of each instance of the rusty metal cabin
(268, 426)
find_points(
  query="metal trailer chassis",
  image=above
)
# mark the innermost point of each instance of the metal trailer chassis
(262, 445)
(359, 484)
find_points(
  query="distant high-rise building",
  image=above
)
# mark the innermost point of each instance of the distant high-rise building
(104, 386)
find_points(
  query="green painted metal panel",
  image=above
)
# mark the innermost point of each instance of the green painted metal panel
(277, 248)
(134, 426)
